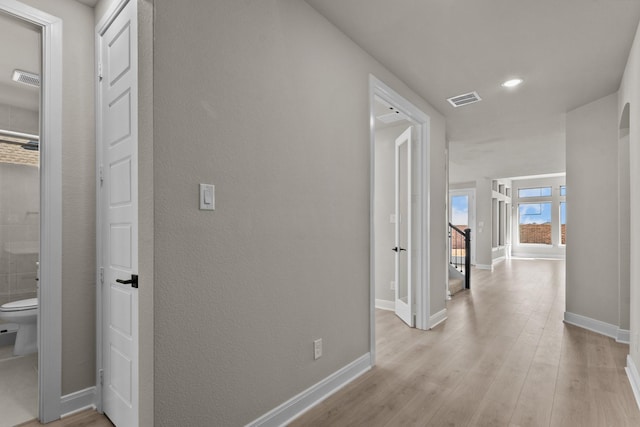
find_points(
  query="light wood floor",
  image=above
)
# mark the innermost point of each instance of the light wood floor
(81, 419)
(503, 357)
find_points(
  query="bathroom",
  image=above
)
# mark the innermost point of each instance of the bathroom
(19, 219)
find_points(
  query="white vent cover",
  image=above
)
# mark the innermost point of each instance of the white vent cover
(464, 99)
(26, 78)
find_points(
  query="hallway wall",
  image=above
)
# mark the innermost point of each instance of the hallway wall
(592, 211)
(270, 102)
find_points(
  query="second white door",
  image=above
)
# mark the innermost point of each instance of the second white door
(403, 248)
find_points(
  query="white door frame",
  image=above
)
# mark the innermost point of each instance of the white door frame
(50, 289)
(110, 15)
(471, 194)
(421, 247)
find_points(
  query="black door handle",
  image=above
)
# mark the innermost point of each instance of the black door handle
(396, 249)
(133, 281)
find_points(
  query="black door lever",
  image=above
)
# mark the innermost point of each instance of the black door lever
(396, 249)
(133, 281)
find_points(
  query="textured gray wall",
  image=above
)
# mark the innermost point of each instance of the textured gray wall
(592, 211)
(269, 102)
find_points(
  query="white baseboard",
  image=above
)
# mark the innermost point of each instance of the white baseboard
(623, 336)
(484, 267)
(384, 304)
(634, 378)
(78, 401)
(315, 394)
(592, 325)
(498, 260)
(437, 318)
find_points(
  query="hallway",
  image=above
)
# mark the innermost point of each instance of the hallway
(503, 357)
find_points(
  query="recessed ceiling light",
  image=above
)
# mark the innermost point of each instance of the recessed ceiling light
(512, 83)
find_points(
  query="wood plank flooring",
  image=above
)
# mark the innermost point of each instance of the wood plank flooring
(88, 418)
(504, 357)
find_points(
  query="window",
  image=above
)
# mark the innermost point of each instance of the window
(563, 222)
(534, 222)
(534, 192)
(563, 190)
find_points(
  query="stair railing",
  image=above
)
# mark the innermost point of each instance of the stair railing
(460, 252)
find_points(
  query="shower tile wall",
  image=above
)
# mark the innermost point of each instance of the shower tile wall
(19, 231)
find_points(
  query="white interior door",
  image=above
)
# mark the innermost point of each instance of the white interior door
(118, 129)
(403, 249)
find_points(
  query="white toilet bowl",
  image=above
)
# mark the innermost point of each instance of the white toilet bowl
(24, 313)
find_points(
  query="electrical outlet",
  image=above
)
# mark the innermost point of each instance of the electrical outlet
(392, 285)
(317, 349)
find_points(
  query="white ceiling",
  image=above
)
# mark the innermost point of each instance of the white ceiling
(19, 49)
(569, 52)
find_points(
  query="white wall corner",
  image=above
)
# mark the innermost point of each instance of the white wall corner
(437, 318)
(484, 267)
(634, 378)
(78, 401)
(383, 304)
(592, 325)
(315, 394)
(623, 336)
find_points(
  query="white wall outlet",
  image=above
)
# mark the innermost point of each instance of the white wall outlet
(392, 285)
(392, 218)
(317, 349)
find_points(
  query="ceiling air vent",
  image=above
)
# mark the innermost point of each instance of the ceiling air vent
(26, 78)
(464, 99)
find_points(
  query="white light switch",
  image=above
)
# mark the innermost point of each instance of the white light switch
(207, 197)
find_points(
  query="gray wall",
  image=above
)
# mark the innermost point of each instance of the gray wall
(78, 193)
(19, 228)
(269, 102)
(592, 211)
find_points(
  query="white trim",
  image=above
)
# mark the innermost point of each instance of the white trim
(623, 336)
(484, 267)
(78, 401)
(315, 394)
(50, 290)
(498, 260)
(384, 304)
(515, 255)
(423, 267)
(438, 318)
(590, 324)
(634, 378)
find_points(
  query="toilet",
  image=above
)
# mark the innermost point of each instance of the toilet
(23, 313)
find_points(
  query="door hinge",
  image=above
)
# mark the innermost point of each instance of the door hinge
(101, 176)
(101, 275)
(100, 71)
(101, 375)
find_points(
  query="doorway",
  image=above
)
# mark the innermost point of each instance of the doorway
(462, 214)
(20, 71)
(49, 222)
(399, 214)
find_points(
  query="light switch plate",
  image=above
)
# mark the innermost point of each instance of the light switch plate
(207, 197)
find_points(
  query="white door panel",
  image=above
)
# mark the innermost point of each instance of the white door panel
(403, 231)
(119, 217)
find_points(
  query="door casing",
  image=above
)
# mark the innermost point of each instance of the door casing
(50, 289)
(422, 126)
